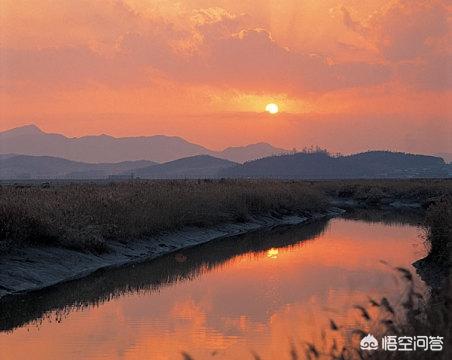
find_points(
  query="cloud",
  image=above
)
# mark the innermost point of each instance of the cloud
(65, 67)
(430, 73)
(414, 38)
(258, 56)
(408, 29)
(349, 22)
(214, 47)
(405, 30)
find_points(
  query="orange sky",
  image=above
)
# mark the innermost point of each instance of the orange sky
(348, 75)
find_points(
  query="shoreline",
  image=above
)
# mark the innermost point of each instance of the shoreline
(35, 268)
(434, 275)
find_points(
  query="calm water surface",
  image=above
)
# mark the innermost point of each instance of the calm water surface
(221, 300)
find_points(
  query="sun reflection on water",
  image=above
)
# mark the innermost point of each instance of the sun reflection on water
(273, 253)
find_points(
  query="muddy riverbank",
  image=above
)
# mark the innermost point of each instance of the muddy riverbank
(33, 268)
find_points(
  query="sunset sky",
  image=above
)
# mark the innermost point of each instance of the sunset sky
(347, 75)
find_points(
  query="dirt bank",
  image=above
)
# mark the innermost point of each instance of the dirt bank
(34, 268)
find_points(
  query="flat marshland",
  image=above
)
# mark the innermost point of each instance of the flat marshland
(85, 216)
(90, 217)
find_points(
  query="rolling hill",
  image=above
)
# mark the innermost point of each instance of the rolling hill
(242, 154)
(28, 152)
(321, 165)
(48, 167)
(316, 165)
(199, 166)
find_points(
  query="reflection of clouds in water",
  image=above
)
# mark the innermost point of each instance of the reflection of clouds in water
(249, 302)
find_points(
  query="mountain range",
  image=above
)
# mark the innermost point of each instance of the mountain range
(199, 166)
(30, 140)
(316, 165)
(321, 165)
(49, 167)
(29, 153)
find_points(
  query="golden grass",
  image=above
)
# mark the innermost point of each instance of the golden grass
(424, 191)
(85, 216)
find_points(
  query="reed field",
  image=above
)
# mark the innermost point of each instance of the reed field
(86, 216)
(379, 191)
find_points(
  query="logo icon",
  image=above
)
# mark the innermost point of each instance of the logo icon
(369, 343)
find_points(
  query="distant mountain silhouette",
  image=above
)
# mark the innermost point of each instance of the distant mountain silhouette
(316, 165)
(30, 140)
(242, 154)
(28, 152)
(48, 167)
(321, 165)
(6, 156)
(199, 166)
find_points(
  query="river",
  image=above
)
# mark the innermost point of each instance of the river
(262, 292)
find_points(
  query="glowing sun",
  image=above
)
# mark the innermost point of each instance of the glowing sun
(272, 108)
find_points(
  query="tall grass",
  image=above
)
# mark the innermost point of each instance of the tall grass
(374, 192)
(86, 216)
(438, 223)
